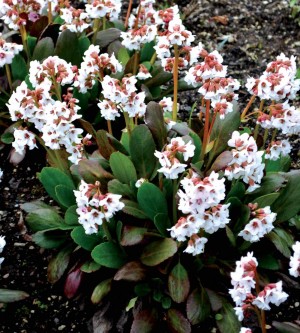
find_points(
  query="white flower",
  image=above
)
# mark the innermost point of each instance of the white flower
(23, 138)
(139, 182)
(245, 330)
(295, 260)
(196, 245)
(277, 149)
(2, 244)
(1, 174)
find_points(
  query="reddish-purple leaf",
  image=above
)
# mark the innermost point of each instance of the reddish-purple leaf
(72, 283)
(179, 284)
(144, 322)
(197, 306)
(177, 323)
(132, 271)
(132, 235)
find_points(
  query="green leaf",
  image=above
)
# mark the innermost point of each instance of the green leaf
(229, 321)
(71, 217)
(7, 138)
(31, 43)
(100, 291)
(116, 187)
(166, 302)
(280, 243)
(132, 271)
(162, 223)
(83, 43)
(132, 235)
(198, 144)
(34, 205)
(144, 321)
(58, 264)
(177, 323)
(51, 177)
(266, 200)
(67, 47)
(155, 121)
(142, 289)
(9, 296)
(109, 254)
(158, 251)
(230, 236)
(178, 284)
(269, 262)
(142, 149)
(123, 56)
(122, 168)
(159, 77)
(118, 146)
(46, 219)
(147, 51)
(152, 200)
(87, 242)
(283, 164)
(43, 49)
(18, 68)
(90, 266)
(222, 161)
(287, 204)
(133, 209)
(65, 195)
(49, 239)
(239, 213)
(105, 37)
(197, 306)
(222, 131)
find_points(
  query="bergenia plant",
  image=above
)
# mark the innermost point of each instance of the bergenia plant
(184, 216)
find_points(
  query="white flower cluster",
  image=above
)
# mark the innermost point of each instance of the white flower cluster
(171, 166)
(283, 117)
(244, 280)
(134, 39)
(76, 20)
(109, 9)
(245, 330)
(121, 96)
(260, 225)
(246, 160)
(8, 51)
(295, 260)
(278, 80)
(53, 118)
(1, 174)
(94, 207)
(143, 73)
(92, 68)
(200, 201)
(2, 244)
(277, 148)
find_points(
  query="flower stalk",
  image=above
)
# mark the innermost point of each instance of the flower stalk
(175, 80)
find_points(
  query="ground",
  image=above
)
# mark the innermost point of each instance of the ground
(249, 34)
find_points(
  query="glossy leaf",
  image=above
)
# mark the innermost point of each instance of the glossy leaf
(109, 254)
(71, 217)
(283, 164)
(18, 68)
(73, 282)
(152, 200)
(178, 284)
(50, 239)
(159, 77)
(132, 271)
(87, 242)
(116, 187)
(90, 266)
(34, 205)
(105, 37)
(59, 263)
(67, 47)
(238, 190)
(142, 149)
(132, 235)
(198, 144)
(162, 223)
(197, 306)
(177, 323)
(132, 208)
(222, 161)
(105, 148)
(100, 291)
(9, 296)
(43, 49)
(266, 200)
(51, 177)
(147, 51)
(65, 195)
(122, 168)
(268, 262)
(281, 240)
(158, 251)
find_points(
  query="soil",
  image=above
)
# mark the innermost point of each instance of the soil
(249, 34)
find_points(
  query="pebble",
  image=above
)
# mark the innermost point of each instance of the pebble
(20, 244)
(31, 247)
(61, 327)
(297, 304)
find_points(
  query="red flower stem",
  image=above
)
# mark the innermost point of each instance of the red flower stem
(212, 124)
(175, 81)
(109, 127)
(261, 106)
(206, 129)
(49, 13)
(128, 13)
(247, 107)
(262, 316)
(9, 79)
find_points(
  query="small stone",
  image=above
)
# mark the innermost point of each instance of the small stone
(31, 247)
(61, 327)
(297, 304)
(6, 276)
(19, 244)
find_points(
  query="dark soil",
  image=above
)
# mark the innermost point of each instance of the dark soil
(254, 33)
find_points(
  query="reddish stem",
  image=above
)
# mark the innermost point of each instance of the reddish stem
(128, 13)
(206, 129)
(247, 107)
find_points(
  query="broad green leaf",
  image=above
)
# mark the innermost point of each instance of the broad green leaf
(177, 323)
(238, 213)
(159, 77)
(152, 200)
(269, 262)
(46, 219)
(51, 177)
(87, 242)
(198, 144)
(34, 205)
(65, 195)
(71, 217)
(287, 204)
(50, 239)
(228, 321)
(67, 47)
(43, 49)
(132, 271)
(90, 266)
(18, 68)
(132, 235)
(280, 243)
(122, 168)
(147, 51)
(132, 208)
(162, 223)
(100, 291)
(144, 321)
(142, 149)
(142, 289)
(178, 284)
(105, 37)
(123, 56)
(58, 264)
(9, 296)
(266, 200)
(118, 146)
(116, 187)
(83, 44)
(7, 138)
(158, 251)
(155, 121)
(166, 302)
(197, 306)
(283, 164)
(109, 254)
(31, 43)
